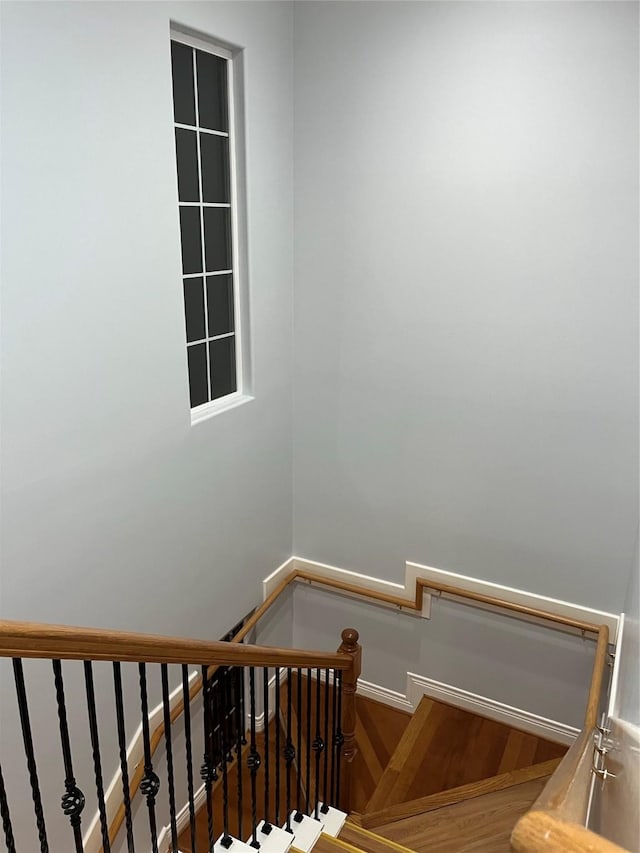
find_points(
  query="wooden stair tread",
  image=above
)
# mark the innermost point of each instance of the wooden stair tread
(480, 825)
(455, 795)
(370, 842)
(445, 748)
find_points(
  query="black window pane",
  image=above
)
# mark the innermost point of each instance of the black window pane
(214, 153)
(194, 308)
(190, 238)
(212, 91)
(197, 359)
(187, 159)
(220, 304)
(184, 109)
(217, 238)
(222, 356)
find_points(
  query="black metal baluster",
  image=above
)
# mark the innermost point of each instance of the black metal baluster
(226, 840)
(276, 718)
(334, 738)
(318, 743)
(289, 753)
(150, 784)
(186, 701)
(166, 708)
(122, 746)
(266, 826)
(254, 760)
(207, 771)
(327, 744)
(298, 815)
(308, 715)
(339, 738)
(240, 723)
(23, 708)
(6, 818)
(73, 798)
(95, 748)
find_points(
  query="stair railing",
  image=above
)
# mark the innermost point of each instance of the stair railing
(231, 740)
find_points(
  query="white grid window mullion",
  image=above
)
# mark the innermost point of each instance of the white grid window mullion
(204, 262)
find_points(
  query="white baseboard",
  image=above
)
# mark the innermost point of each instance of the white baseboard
(415, 571)
(419, 686)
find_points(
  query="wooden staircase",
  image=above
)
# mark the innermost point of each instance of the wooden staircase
(453, 781)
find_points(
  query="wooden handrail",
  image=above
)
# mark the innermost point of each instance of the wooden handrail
(556, 821)
(32, 640)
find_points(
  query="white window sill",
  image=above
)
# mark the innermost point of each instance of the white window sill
(216, 407)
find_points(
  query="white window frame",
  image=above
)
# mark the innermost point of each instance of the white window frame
(235, 136)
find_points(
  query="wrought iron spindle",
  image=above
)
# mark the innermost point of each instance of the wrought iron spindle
(254, 761)
(23, 708)
(150, 784)
(186, 701)
(266, 826)
(289, 753)
(308, 716)
(73, 798)
(6, 818)
(298, 816)
(318, 743)
(276, 717)
(166, 709)
(122, 746)
(208, 771)
(222, 706)
(327, 742)
(334, 737)
(240, 723)
(95, 748)
(339, 739)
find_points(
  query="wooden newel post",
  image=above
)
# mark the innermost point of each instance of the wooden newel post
(351, 647)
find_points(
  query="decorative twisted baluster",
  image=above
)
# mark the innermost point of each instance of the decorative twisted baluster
(276, 718)
(95, 748)
(327, 742)
(334, 737)
(298, 815)
(289, 753)
(23, 709)
(186, 701)
(253, 762)
(226, 840)
(339, 738)
(150, 784)
(266, 826)
(240, 724)
(308, 716)
(207, 771)
(6, 818)
(73, 798)
(167, 741)
(122, 746)
(318, 743)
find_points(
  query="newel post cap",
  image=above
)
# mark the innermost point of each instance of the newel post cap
(350, 639)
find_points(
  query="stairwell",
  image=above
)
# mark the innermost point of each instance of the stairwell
(443, 779)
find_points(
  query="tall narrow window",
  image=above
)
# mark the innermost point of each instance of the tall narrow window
(205, 160)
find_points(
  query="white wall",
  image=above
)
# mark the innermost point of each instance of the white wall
(466, 305)
(115, 511)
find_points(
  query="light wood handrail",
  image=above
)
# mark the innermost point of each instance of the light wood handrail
(33, 640)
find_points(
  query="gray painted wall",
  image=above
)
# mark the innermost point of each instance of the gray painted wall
(115, 511)
(628, 699)
(466, 303)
